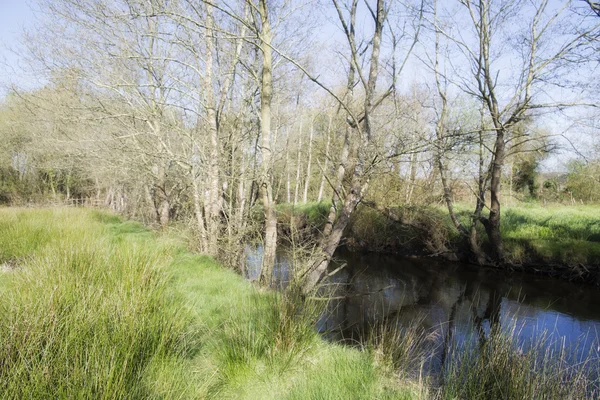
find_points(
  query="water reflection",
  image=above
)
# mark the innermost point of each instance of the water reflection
(454, 303)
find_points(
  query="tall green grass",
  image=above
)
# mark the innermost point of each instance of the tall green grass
(556, 234)
(505, 367)
(96, 307)
(263, 345)
(81, 315)
(493, 363)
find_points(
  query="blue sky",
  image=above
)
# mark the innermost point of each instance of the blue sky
(14, 16)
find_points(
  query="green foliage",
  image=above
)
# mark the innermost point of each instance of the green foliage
(32, 169)
(500, 368)
(583, 181)
(415, 229)
(94, 307)
(526, 176)
(308, 216)
(35, 185)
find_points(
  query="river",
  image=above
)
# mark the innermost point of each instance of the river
(451, 301)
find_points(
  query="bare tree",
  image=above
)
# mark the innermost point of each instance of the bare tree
(505, 104)
(263, 29)
(358, 157)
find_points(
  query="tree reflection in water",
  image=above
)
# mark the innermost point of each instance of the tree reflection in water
(454, 305)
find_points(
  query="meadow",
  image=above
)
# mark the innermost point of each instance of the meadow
(554, 234)
(534, 234)
(92, 306)
(95, 307)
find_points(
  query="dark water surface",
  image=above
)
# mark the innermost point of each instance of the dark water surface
(451, 300)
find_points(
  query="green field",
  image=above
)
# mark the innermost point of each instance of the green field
(95, 307)
(92, 306)
(535, 234)
(556, 234)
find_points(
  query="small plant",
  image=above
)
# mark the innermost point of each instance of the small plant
(504, 367)
(402, 349)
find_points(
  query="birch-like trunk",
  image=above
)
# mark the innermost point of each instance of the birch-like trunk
(298, 164)
(326, 163)
(212, 204)
(196, 192)
(287, 171)
(309, 161)
(266, 94)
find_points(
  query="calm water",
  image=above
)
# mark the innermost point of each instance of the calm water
(451, 300)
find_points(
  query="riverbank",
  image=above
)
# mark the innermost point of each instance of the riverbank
(92, 306)
(558, 240)
(95, 307)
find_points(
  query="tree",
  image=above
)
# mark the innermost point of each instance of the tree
(492, 39)
(359, 154)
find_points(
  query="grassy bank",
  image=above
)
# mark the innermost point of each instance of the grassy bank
(556, 235)
(94, 307)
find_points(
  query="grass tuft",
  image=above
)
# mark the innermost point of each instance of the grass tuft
(103, 308)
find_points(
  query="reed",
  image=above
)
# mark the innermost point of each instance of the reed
(96, 307)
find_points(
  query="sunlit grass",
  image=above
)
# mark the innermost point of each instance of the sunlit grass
(533, 233)
(561, 234)
(507, 366)
(556, 222)
(82, 315)
(96, 307)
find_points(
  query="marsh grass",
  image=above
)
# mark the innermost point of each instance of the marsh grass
(85, 315)
(104, 308)
(403, 350)
(505, 367)
(501, 364)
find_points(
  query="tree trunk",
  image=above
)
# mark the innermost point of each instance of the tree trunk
(287, 170)
(241, 195)
(412, 178)
(319, 269)
(298, 165)
(266, 93)
(482, 181)
(164, 210)
(198, 211)
(492, 224)
(309, 161)
(212, 205)
(325, 164)
(338, 184)
(360, 178)
(161, 196)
